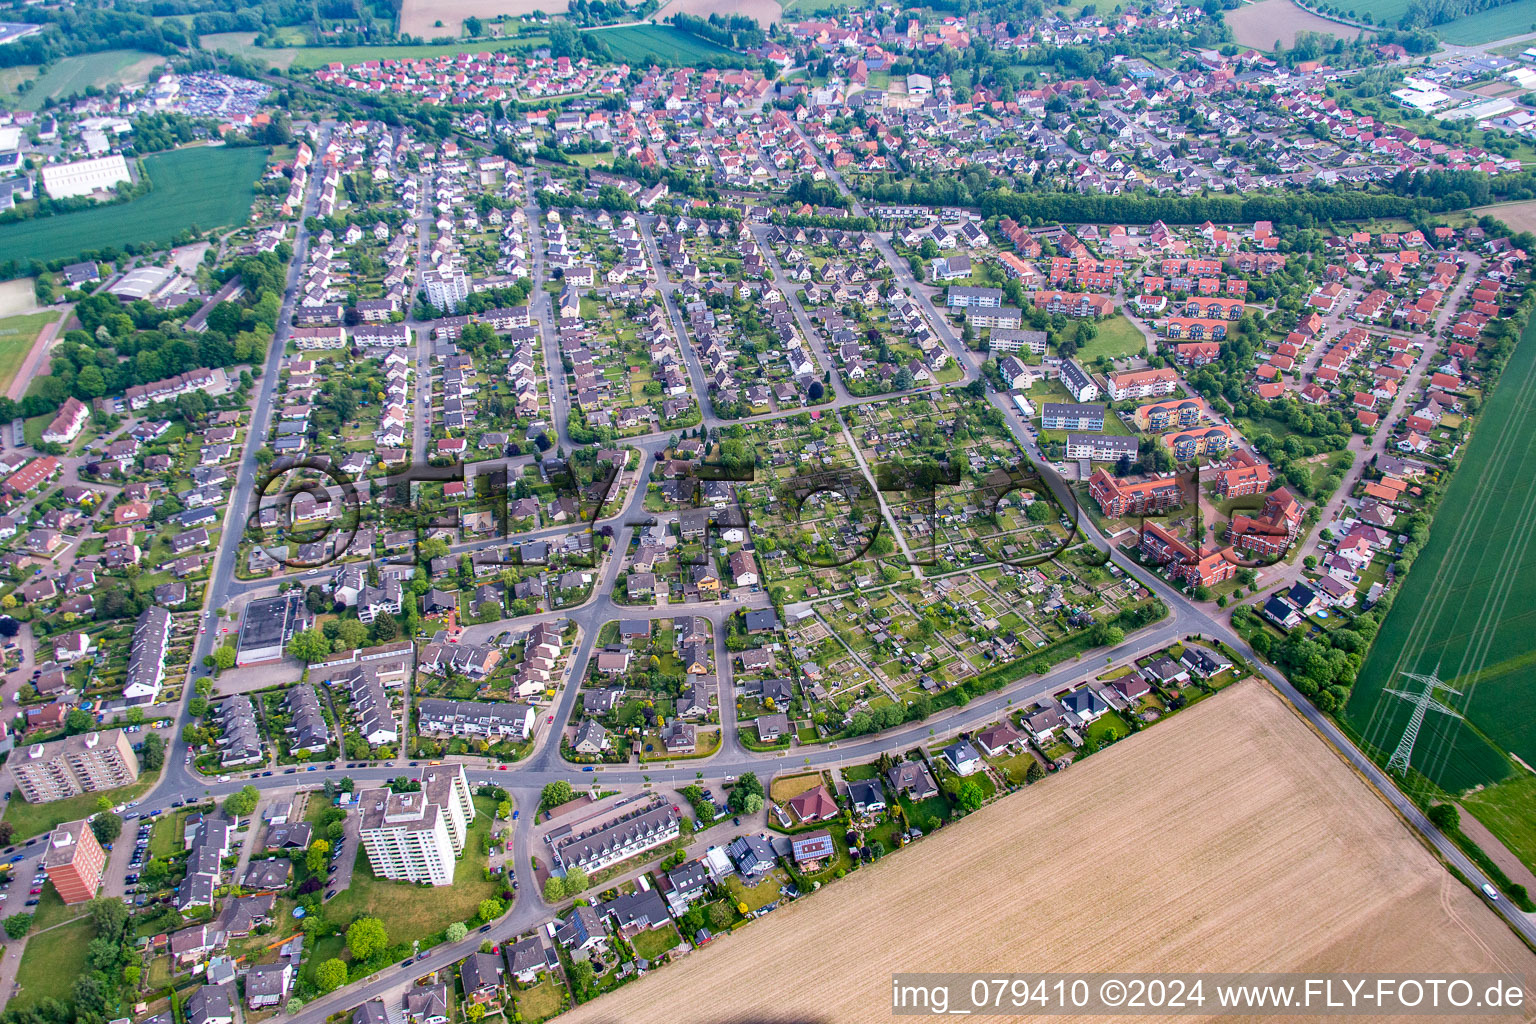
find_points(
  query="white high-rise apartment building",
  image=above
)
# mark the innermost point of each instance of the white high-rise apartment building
(415, 837)
(445, 287)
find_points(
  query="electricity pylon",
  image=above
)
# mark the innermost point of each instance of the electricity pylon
(1423, 701)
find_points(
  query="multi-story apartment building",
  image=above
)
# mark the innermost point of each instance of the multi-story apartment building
(415, 836)
(1100, 447)
(1066, 416)
(1003, 342)
(1000, 317)
(967, 297)
(74, 860)
(1127, 498)
(1078, 382)
(1142, 384)
(1243, 476)
(445, 287)
(646, 828)
(1184, 563)
(76, 764)
(1174, 414)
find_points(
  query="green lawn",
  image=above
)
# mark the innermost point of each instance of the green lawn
(51, 962)
(51, 909)
(759, 895)
(71, 75)
(1117, 338)
(541, 1002)
(34, 819)
(1109, 723)
(1506, 810)
(413, 912)
(925, 814)
(653, 942)
(198, 187)
(1509, 19)
(17, 334)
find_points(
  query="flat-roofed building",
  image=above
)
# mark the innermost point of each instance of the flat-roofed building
(267, 626)
(415, 836)
(82, 177)
(85, 763)
(74, 860)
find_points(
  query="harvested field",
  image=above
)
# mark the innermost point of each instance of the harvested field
(1519, 216)
(1245, 849)
(17, 296)
(766, 12)
(72, 75)
(420, 17)
(1259, 25)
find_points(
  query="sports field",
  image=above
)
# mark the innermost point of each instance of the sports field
(206, 186)
(72, 75)
(1271, 855)
(17, 334)
(1468, 608)
(662, 44)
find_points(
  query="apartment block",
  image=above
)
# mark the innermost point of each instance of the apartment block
(86, 763)
(415, 836)
(74, 860)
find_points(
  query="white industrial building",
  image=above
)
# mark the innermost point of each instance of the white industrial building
(83, 177)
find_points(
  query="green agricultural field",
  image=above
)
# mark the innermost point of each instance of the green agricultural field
(661, 44)
(1506, 810)
(1468, 609)
(17, 334)
(1510, 19)
(205, 186)
(71, 75)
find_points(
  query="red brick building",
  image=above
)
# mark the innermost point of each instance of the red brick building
(74, 860)
(1124, 498)
(1184, 564)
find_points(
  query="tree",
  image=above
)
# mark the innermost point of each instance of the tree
(556, 793)
(152, 756)
(456, 932)
(1035, 772)
(366, 938)
(490, 909)
(746, 786)
(242, 802)
(77, 721)
(314, 860)
(719, 915)
(309, 646)
(350, 634)
(554, 890)
(575, 881)
(1445, 817)
(224, 657)
(17, 925)
(970, 795)
(106, 827)
(331, 975)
